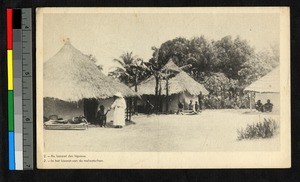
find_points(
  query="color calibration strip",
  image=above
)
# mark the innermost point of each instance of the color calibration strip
(19, 65)
(10, 85)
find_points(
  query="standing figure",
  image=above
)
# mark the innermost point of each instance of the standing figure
(191, 106)
(119, 107)
(196, 106)
(180, 108)
(101, 116)
(200, 99)
(149, 107)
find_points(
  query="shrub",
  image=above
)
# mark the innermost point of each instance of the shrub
(266, 129)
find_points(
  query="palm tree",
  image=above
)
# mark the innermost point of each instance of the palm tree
(154, 66)
(130, 71)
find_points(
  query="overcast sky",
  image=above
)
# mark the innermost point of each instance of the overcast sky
(107, 36)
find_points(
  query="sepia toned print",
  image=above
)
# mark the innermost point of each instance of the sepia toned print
(163, 87)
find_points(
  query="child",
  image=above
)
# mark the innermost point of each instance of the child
(180, 108)
(191, 105)
(196, 106)
(101, 116)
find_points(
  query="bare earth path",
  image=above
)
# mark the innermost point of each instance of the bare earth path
(212, 130)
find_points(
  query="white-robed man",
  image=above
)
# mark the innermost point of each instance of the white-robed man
(119, 107)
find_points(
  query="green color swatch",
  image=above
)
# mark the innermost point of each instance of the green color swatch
(10, 110)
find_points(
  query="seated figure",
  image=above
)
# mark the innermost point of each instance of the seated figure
(268, 106)
(258, 105)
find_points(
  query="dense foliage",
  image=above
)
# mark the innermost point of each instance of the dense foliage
(265, 129)
(225, 66)
(131, 69)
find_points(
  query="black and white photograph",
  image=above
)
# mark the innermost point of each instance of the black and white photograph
(163, 87)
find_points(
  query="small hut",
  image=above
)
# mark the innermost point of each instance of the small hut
(74, 86)
(267, 87)
(181, 88)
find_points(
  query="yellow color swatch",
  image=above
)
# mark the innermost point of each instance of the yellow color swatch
(10, 73)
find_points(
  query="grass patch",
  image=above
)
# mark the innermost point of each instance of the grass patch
(266, 129)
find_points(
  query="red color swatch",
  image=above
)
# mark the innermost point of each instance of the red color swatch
(9, 30)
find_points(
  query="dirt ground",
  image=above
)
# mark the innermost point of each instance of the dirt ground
(211, 130)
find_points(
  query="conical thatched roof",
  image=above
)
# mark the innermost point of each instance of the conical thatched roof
(171, 66)
(71, 76)
(267, 84)
(178, 84)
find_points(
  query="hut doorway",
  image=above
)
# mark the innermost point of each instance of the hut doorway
(90, 109)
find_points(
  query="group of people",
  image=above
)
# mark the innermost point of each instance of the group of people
(267, 107)
(118, 106)
(195, 108)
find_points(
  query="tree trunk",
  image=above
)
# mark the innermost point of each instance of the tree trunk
(130, 108)
(159, 97)
(167, 95)
(250, 101)
(135, 89)
(127, 109)
(156, 94)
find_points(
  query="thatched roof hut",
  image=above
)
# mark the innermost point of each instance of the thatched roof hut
(267, 87)
(267, 84)
(180, 83)
(171, 66)
(181, 88)
(71, 76)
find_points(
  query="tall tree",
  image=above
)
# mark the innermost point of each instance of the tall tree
(154, 65)
(260, 64)
(197, 52)
(202, 58)
(176, 49)
(232, 54)
(130, 71)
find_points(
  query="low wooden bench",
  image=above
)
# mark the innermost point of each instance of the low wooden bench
(53, 125)
(188, 112)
